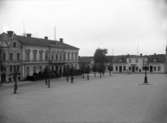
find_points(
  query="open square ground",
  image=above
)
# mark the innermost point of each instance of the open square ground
(121, 98)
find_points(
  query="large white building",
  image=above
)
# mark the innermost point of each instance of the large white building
(29, 55)
(156, 63)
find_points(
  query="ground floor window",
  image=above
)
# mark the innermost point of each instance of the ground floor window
(155, 68)
(124, 68)
(116, 68)
(159, 68)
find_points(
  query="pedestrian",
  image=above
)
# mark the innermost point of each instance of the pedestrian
(72, 79)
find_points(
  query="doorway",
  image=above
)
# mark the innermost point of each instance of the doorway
(3, 78)
(120, 69)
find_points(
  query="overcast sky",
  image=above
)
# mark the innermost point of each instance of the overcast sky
(121, 26)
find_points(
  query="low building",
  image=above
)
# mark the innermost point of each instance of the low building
(136, 63)
(29, 55)
(86, 60)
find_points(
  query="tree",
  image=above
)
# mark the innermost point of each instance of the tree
(100, 56)
(100, 60)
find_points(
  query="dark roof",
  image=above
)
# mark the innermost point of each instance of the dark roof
(159, 58)
(85, 59)
(117, 59)
(43, 42)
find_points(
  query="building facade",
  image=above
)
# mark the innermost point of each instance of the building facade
(136, 63)
(28, 55)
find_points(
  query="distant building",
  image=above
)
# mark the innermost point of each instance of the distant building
(86, 60)
(136, 63)
(156, 63)
(28, 55)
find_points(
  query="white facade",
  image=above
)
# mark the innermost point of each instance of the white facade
(34, 57)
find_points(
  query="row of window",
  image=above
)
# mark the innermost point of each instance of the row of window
(11, 56)
(53, 56)
(137, 69)
(14, 68)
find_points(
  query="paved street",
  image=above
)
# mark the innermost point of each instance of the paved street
(121, 98)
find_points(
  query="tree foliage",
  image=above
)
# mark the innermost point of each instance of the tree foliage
(100, 55)
(99, 60)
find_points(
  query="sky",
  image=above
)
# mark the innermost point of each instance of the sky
(121, 26)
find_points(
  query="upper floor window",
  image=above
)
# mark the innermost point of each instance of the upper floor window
(4, 57)
(18, 56)
(11, 68)
(46, 55)
(34, 55)
(27, 54)
(41, 55)
(76, 55)
(11, 56)
(14, 44)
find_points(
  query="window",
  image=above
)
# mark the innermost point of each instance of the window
(41, 55)
(15, 68)
(27, 54)
(4, 57)
(40, 68)
(18, 68)
(159, 68)
(136, 60)
(11, 68)
(14, 44)
(154, 68)
(124, 68)
(11, 57)
(46, 55)
(116, 68)
(34, 55)
(34, 69)
(129, 60)
(68, 56)
(28, 71)
(18, 56)
(56, 56)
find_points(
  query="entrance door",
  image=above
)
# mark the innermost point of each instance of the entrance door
(120, 69)
(151, 69)
(3, 78)
(133, 68)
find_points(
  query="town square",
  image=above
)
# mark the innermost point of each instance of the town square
(83, 61)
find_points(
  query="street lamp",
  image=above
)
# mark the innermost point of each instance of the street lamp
(15, 82)
(145, 69)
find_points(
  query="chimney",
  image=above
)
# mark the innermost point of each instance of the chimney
(61, 40)
(28, 35)
(46, 38)
(141, 54)
(10, 33)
